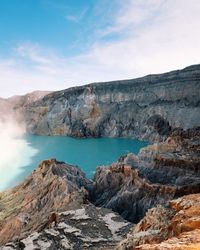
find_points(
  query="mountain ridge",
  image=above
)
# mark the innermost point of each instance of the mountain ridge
(147, 108)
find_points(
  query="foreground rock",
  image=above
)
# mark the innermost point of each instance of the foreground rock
(160, 172)
(148, 107)
(83, 227)
(120, 188)
(174, 228)
(50, 210)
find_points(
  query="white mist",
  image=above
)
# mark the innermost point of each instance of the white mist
(14, 152)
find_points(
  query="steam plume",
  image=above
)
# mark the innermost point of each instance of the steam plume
(14, 151)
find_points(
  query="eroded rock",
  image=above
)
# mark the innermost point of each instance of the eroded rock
(160, 172)
(174, 228)
(50, 210)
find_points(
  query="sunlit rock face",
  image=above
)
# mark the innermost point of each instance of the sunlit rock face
(50, 210)
(174, 228)
(149, 107)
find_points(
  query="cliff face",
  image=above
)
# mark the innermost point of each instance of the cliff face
(48, 189)
(148, 107)
(160, 172)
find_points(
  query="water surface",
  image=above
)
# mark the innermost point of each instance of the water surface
(86, 153)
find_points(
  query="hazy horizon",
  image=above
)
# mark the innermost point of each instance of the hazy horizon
(84, 84)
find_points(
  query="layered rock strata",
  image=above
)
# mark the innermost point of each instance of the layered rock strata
(174, 228)
(50, 210)
(147, 108)
(160, 172)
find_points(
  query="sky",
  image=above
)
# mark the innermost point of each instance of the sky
(56, 44)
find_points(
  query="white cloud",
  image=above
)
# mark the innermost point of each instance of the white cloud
(76, 17)
(152, 36)
(32, 52)
(132, 15)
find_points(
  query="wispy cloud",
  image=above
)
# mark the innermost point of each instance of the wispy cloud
(133, 15)
(153, 36)
(77, 17)
(32, 52)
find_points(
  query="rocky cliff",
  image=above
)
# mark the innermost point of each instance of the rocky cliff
(146, 108)
(160, 172)
(174, 228)
(50, 210)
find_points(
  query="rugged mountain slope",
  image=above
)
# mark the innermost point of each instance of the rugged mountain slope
(48, 189)
(50, 210)
(159, 173)
(58, 193)
(174, 228)
(147, 107)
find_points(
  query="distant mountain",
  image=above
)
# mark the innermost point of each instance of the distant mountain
(24, 100)
(9, 106)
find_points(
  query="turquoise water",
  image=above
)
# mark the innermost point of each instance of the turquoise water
(86, 153)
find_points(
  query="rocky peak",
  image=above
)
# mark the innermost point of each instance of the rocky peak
(50, 210)
(51, 187)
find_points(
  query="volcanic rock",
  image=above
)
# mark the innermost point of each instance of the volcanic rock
(149, 107)
(173, 228)
(50, 210)
(160, 172)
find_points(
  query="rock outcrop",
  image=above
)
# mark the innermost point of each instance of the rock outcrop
(174, 228)
(120, 188)
(146, 108)
(50, 210)
(159, 173)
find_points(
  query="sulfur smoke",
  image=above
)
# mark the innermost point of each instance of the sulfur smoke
(14, 152)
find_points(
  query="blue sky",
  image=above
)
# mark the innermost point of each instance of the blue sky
(64, 25)
(56, 44)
